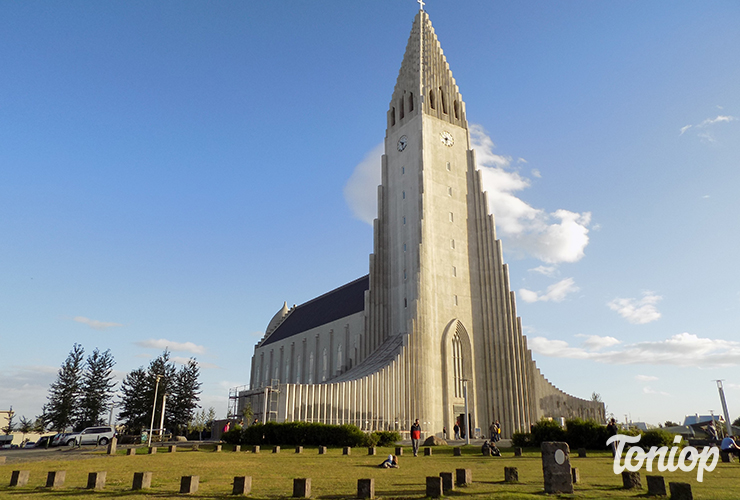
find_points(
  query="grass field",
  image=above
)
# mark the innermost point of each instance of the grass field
(335, 475)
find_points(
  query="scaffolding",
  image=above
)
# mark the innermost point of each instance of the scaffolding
(233, 410)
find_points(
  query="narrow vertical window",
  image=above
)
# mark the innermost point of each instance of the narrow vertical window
(404, 221)
(324, 365)
(454, 107)
(457, 365)
(298, 370)
(404, 247)
(310, 368)
(442, 98)
(403, 170)
(452, 217)
(404, 194)
(339, 357)
(454, 271)
(400, 108)
(411, 101)
(393, 116)
(404, 274)
(452, 243)
(405, 303)
(448, 166)
(431, 99)
(455, 299)
(449, 191)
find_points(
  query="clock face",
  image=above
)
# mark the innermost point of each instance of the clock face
(447, 139)
(402, 143)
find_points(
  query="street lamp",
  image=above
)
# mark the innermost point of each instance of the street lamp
(467, 419)
(161, 417)
(154, 407)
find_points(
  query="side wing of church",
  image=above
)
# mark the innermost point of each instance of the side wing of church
(434, 323)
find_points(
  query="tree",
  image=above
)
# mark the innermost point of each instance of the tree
(184, 396)
(138, 392)
(62, 409)
(97, 388)
(736, 422)
(10, 426)
(39, 426)
(25, 426)
(248, 413)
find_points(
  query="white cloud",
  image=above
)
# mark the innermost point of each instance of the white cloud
(559, 236)
(183, 361)
(595, 342)
(171, 345)
(637, 311)
(25, 388)
(704, 134)
(684, 349)
(556, 292)
(645, 378)
(719, 119)
(685, 128)
(549, 271)
(361, 190)
(94, 323)
(650, 390)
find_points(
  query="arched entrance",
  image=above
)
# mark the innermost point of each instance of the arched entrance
(458, 372)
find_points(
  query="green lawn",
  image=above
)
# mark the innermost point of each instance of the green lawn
(335, 476)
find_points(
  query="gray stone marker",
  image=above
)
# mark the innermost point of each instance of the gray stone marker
(346, 450)
(680, 491)
(517, 452)
(194, 447)
(172, 448)
(631, 480)
(19, 477)
(582, 452)
(255, 449)
(113, 446)
(427, 452)
(486, 451)
(302, 487)
(463, 477)
(189, 484)
(656, 486)
(399, 451)
(366, 488)
(96, 480)
(242, 485)
(447, 483)
(142, 480)
(511, 475)
(131, 451)
(322, 450)
(457, 451)
(371, 450)
(556, 467)
(152, 450)
(576, 475)
(299, 449)
(217, 449)
(237, 448)
(55, 479)
(434, 487)
(276, 449)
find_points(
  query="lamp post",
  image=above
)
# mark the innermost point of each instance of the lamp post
(154, 407)
(161, 418)
(467, 419)
(724, 407)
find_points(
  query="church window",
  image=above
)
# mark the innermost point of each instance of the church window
(400, 108)
(405, 302)
(298, 370)
(339, 357)
(404, 247)
(393, 116)
(442, 98)
(286, 372)
(404, 221)
(455, 299)
(431, 99)
(452, 217)
(457, 365)
(454, 271)
(310, 368)
(448, 166)
(454, 108)
(403, 170)
(404, 194)
(324, 365)
(449, 191)
(404, 274)
(452, 243)
(411, 101)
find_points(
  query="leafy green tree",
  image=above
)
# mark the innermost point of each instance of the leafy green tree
(248, 413)
(138, 393)
(62, 409)
(97, 388)
(39, 425)
(736, 422)
(25, 426)
(185, 391)
(10, 426)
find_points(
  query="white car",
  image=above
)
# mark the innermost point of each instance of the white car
(96, 435)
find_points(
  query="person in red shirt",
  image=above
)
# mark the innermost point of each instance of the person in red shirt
(415, 436)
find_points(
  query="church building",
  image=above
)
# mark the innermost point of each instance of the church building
(431, 332)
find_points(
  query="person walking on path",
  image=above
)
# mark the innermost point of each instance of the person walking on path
(415, 436)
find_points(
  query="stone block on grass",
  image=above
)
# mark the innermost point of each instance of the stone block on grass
(427, 452)
(55, 479)
(631, 480)
(172, 448)
(96, 480)
(299, 449)
(142, 481)
(237, 448)
(217, 448)
(255, 449)
(113, 446)
(511, 475)
(276, 449)
(463, 477)
(581, 452)
(366, 488)
(19, 477)
(517, 452)
(322, 450)
(556, 467)
(242, 485)
(457, 451)
(189, 484)
(575, 474)
(486, 451)
(434, 487)
(131, 451)
(680, 491)
(346, 450)
(399, 451)
(371, 450)
(656, 486)
(447, 483)
(302, 487)
(152, 450)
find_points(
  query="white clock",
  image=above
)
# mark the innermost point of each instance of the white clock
(402, 143)
(447, 139)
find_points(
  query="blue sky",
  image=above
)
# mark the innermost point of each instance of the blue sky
(171, 172)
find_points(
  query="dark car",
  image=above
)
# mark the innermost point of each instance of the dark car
(44, 442)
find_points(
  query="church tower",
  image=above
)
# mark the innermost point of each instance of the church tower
(432, 331)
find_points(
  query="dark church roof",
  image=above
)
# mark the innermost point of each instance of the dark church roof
(340, 302)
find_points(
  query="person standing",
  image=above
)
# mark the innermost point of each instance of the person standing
(497, 438)
(612, 430)
(456, 429)
(492, 431)
(415, 436)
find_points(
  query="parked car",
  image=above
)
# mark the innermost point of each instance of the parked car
(96, 435)
(65, 439)
(29, 444)
(41, 443)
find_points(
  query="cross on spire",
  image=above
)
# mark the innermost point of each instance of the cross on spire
(421, 4)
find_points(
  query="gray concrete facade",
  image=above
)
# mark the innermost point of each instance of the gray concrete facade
(437, 318)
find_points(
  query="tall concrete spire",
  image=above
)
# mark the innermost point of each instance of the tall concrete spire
(425, 82)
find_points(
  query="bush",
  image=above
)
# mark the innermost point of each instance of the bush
(522, 439)
(547, 430)
(656, 437)
(585, 434)
(302, 434)
(386, 438)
